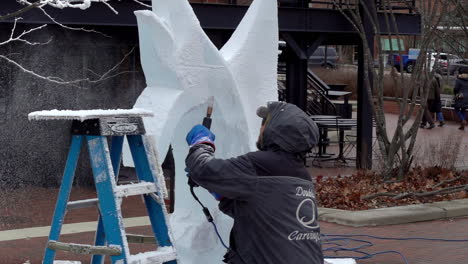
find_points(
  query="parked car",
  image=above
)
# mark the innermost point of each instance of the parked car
(318, 57)
(457, 65)
(405, 61)
(402, 62)
(451, 66)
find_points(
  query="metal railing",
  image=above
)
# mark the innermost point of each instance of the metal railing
(332, 4)
(318, 102)
(382, 5)
(397, 5)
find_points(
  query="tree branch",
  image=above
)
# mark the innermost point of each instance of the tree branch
(72, 28)
(22, 10)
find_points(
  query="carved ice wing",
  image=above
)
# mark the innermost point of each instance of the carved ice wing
(196, 64)
(191, 41)
(251, 54)
(157, 45)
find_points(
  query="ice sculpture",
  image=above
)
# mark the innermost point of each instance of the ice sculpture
(183, 69)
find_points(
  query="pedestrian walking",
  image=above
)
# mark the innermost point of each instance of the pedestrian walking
(430, 103)
(461, 96)
(436, 104)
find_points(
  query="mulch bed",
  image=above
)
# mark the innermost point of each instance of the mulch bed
(367, 190)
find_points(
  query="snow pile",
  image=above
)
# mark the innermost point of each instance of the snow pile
(155, 165)
(87, 114)
(135, 189)
(162, 255)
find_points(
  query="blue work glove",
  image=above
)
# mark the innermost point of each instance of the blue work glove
(217, 196)
(200, 135)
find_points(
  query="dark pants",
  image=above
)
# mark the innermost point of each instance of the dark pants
(461, 113)
(427, 116)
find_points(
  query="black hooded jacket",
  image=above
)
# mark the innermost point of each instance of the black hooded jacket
(269, 193)
(461, 87)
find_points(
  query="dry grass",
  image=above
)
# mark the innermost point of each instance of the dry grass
(443, 153)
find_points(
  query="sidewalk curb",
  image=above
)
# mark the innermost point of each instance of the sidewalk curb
(395, 215)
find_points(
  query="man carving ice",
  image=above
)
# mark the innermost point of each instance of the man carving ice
(269, 193)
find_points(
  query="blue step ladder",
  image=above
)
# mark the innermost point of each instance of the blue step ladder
(96, 127)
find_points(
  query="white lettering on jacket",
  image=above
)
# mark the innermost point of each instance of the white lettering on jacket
(296, 235)
(304, 193)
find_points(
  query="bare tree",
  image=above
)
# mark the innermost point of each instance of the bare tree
(397, 150)
(22, 37)
(454, 33)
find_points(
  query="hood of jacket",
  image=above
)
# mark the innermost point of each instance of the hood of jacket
(288, 128)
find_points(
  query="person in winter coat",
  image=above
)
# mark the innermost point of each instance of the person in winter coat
(268, 193)
(430, 103)
(436, 105)
(461, 96)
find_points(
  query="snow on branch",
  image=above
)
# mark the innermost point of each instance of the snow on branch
(72, 28)
(81, 4)
(143, 4)
(20, 38)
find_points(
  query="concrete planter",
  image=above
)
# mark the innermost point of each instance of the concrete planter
(396, 215)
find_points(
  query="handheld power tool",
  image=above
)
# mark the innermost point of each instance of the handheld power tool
(206, 123)
(207, 119)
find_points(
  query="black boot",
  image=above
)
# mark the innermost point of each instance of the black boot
(462, 125)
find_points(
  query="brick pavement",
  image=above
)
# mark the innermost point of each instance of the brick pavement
(417, 252)
(19, 251)
(433, 147)
(34, 206)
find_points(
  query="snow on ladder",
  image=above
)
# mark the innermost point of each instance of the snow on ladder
(94, 127)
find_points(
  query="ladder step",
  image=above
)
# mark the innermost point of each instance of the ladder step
(141, 239)
(162, 255)
(82, 204)
(84, 249)
(135, 189)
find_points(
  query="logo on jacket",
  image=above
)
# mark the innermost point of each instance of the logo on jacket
(305, 214)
